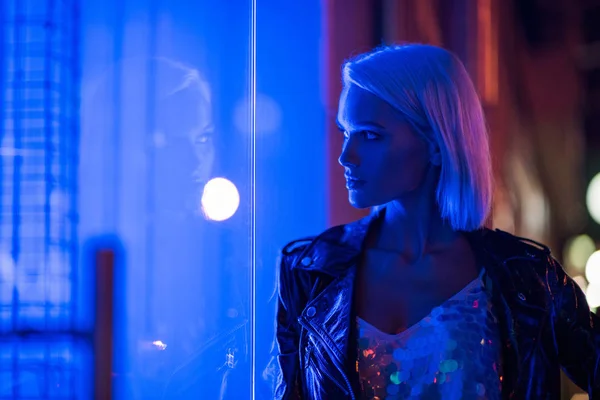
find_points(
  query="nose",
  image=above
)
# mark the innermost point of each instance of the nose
(349, 156)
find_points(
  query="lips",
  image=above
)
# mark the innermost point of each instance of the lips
(353, 183)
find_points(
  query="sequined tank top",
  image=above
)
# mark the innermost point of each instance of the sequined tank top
(452, 353)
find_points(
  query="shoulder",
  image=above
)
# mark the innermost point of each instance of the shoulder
(336, 235)
(530, 266)
(293, 251)
(294, 283)
(335, 244)
(527, 259)
(349, 236)
(508, 246)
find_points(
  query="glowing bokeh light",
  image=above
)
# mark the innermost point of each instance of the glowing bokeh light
(593, 198)
(269, 115)
(593, 295)
(220, 199)
(592, 268)
(580, 396)
(578, 250)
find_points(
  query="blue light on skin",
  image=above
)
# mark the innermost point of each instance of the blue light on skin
(399, 169)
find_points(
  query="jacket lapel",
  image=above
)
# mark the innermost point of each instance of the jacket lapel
(335, 254)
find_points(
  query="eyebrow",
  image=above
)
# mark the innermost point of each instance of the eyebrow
(360, 124)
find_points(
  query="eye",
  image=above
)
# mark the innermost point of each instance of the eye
(370, 135)
(202, 138)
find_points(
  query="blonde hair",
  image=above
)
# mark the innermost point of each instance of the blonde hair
(430, 87)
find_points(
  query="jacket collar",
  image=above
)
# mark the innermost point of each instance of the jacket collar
(347, 243)
(344, 241)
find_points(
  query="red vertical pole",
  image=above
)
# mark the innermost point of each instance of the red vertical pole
(103, 337)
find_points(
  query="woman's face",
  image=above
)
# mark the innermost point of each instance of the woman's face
(186, 156)
(383, 158)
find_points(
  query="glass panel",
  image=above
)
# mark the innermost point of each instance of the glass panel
(290, 148)
(165, 167)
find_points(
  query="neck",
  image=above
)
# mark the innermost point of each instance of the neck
(413, 225)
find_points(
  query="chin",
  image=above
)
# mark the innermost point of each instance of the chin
(358, 201)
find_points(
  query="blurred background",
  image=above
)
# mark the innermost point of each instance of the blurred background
(155, 155)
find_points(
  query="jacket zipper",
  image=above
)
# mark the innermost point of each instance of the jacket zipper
(308, 327)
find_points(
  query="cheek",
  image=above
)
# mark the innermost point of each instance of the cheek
(403, 170)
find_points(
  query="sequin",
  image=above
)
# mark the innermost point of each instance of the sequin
(407, 365)
(450, 345)
(441, 378)
(453, 353)
(393, 389)
(448, 366)
(480, 389)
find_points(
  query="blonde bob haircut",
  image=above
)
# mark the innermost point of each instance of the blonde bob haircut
(431, 89)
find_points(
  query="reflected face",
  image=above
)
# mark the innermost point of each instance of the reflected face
(383, 157)
(186, 123)
(185, 151)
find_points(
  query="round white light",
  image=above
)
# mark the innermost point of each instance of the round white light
(593, 198)
(592, 295)
(220, 199)
(578, 250)
(592, 268)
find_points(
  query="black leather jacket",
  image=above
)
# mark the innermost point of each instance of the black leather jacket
(544, 320)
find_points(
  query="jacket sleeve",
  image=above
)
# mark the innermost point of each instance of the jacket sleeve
(285, 360)
(576, 332)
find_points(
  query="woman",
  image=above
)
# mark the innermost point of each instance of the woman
(419, 300)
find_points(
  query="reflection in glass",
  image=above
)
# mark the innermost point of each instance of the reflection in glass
(163, 169)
